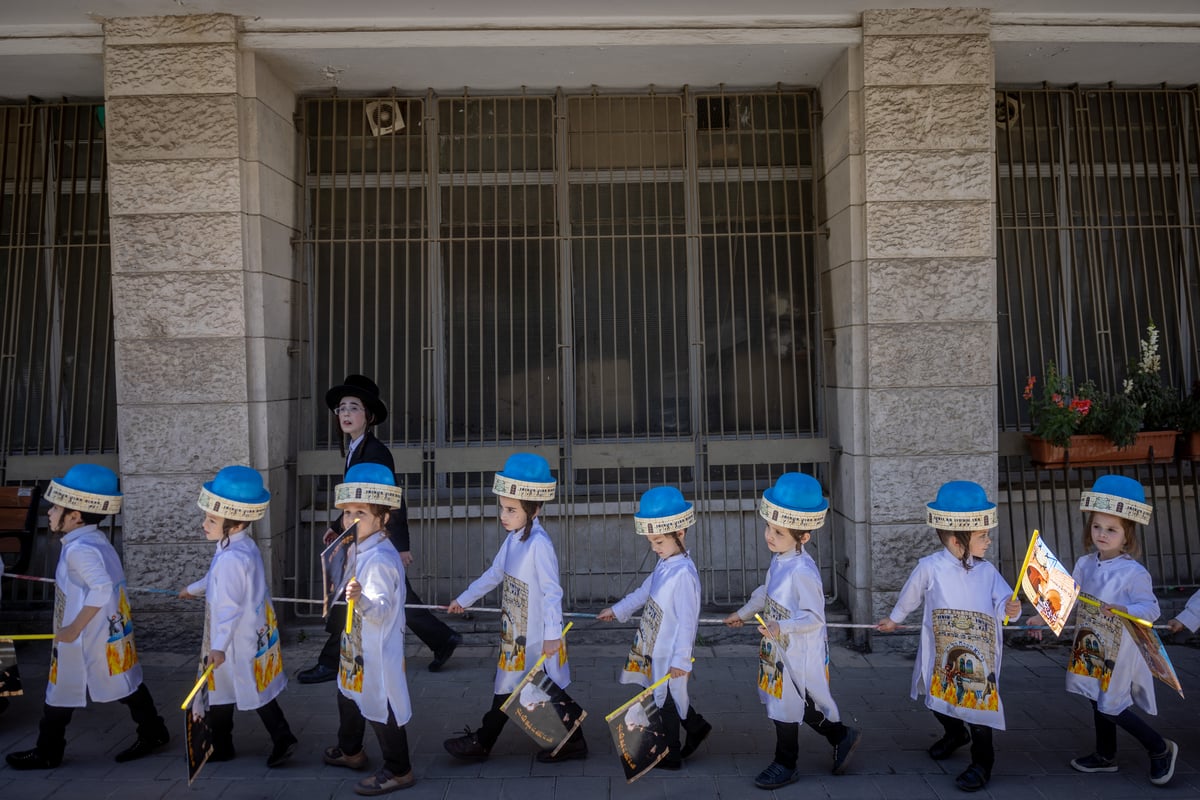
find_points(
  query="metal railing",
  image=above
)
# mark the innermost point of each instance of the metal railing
(1097, 234)
(623, 283)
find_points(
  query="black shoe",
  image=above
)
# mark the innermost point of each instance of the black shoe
(31, 759)
(467, 747)
(775, 776)
(574, 748)
(143, 747)
(695, 739)
(1162, 767)
(844, 749)
(973, 778)
(673, 764)
(318, 674)
(944, 747)
(282, 750)
(3, 704)
(443, 653)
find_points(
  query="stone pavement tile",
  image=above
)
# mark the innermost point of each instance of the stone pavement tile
(31, 787)
(860, 787)
(511, 766)
(903, 787)
(442, 765)
(872, 723)
(572, 769)
(705, 763)
(526, 788)
(583, 788)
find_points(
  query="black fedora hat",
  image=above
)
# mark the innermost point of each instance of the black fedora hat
(364, 389)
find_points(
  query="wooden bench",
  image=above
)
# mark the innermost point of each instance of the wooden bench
(18, 525)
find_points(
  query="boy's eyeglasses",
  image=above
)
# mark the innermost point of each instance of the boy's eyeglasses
(348, 409)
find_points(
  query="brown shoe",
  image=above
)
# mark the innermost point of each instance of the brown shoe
(383, 782)
(335, 757)
(467, 747)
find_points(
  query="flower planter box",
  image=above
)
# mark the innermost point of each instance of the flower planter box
(1095, 450)
(1190, 449)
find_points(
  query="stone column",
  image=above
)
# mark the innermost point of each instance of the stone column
(911, 283)
(201, 200)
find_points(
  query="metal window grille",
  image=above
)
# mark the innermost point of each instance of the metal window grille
(57, 393)
(623, 283)
(1098, 198)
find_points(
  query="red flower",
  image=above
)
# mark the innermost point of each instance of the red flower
(1081, 406)
(1029, 387)
(1057, 398)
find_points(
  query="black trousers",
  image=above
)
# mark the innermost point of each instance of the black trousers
(220, 720)
(1135, 726)
(982, 752)
(52, 730)
(787, 734)
(393, 738)
(669, 713)
(494, 721)
(428, 628)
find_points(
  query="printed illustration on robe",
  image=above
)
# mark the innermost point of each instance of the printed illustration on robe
(197, 732)
(60, 604)
(1151, 647)
(350, 668)
(1048, 585)
(10, 677)
(964, 672)
(268, 662)
(120, 650)
(514, 621)
(641, 657)
(1097, 642)
(771, 652)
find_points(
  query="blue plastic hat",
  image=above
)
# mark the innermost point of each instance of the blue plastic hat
(661, 510)
(90, 488)
(962, 506)
(526, 476)
(1117, 495)
(236, 493)
(373, 484)
(795, 502)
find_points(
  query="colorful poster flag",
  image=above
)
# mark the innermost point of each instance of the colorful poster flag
(197, 733)
(1048, 585)
(1151, 648)
(334, 574)
(10, 678)
(543, 710)
(638, 734)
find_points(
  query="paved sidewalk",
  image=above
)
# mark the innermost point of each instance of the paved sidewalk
(1046, 728)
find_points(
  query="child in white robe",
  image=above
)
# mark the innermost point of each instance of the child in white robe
(242, 635)
(793, 676)
(1106, 666)
(966, 600)
(667, 633)
(531, 623)
(371, 673)
(93, 652)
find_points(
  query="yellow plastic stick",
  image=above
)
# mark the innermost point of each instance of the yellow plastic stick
(1024, 566)
(203, 677)
(1129, 617)
(350, 610)
(633, 700)
(25, 637)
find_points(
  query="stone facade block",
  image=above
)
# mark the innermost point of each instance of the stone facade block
(924, 229)
(183, 29)
(261, 82)
(176, 242)
(929, 289)
(267, 136)
(152, 437)
(181, 126)
(926, 60)
(269, 247)
(169, 305)
(843, 294)
(895, 550)
(932, 421)
(171, 70)
(271, 297)
(170, 370)
(163, 509)
(842, 130)
(950, 354)
(925, 21)
(907, 175)
(174, 187)
(847, 230)
(269, 193)
(928, 118)
(902, 485)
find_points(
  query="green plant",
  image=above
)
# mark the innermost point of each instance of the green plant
(1187, 410)
(1117, 417)
(1057, 412)
(1143, 385)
